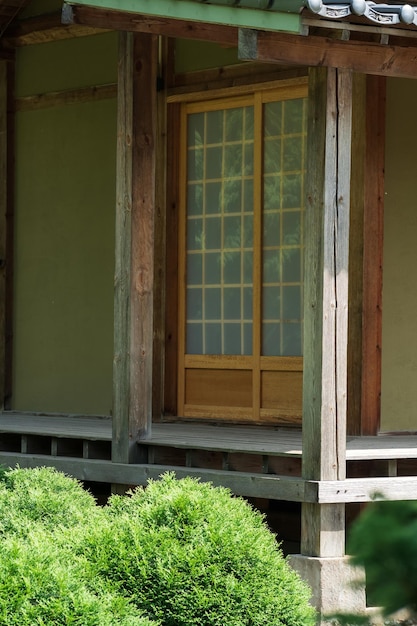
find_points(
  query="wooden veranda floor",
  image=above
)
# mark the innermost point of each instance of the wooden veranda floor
(258, 461)
(248, 440)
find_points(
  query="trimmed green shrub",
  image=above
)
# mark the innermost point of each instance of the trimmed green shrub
(178, 553)
(42, 495)
(44, 579)
(189, 554)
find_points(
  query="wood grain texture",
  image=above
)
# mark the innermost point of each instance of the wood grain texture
(142, 233)
(326, 299)
(373, 255)
(356, 245)
(331, 494)
(171, 270)
(124, 21)
(160, 234)
(63, 98)
(272, 441)
(370, 58)
(135, 213)
(122, 279)
(44, 29)
(240, 483)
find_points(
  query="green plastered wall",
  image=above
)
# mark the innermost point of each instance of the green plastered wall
(399, 340)
(192, 55)
(64, 231)
(64, 223)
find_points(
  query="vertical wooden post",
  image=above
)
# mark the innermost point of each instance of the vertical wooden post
(160, 233)
(326, 303)
(121, 362)
(357, 186)
(132, 374)
(6, 228)
(373, 252)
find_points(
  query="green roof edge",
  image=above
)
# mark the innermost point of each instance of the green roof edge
(276, 15)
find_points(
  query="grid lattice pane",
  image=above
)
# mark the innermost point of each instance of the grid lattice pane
(220, 232)
(283, 223)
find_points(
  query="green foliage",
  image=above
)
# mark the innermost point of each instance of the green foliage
(178, 553)
(189, 554)
(44, 496)
(384, 541)
(44, 580)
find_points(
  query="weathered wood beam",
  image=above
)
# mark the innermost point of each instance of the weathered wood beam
(373, 253)
(63, 98)
(44, 29)
(370, 58)
(232, 76)
(124, 21)
(290, 488)
(326, 300)
(241, 483)
(135, 214)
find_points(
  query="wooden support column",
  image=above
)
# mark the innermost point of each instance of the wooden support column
(322, 562)
(372, 254)
(6, 228)
(135, 210)
(326, 303)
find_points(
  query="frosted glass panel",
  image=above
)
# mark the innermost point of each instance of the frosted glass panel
(212, 338)
(221, 192)
(233, 339)
(194, 303)
(194, 269)
(292, 339)
(283, 222)
(195, 234)
(220, 232)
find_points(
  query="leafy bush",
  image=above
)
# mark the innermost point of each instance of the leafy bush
(384, 541)
(43, 579)
(42, 495)
(189, 554)
(178, 553)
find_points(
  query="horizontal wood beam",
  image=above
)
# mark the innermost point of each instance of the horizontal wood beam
(44, 29)
(118, 20)
(246, 484)
(368, 58)
(241, 483)
(366, 489)
(70, 96)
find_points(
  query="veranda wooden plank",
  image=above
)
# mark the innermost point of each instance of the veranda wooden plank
(382, 447)
(280, 442)
(76, 427)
